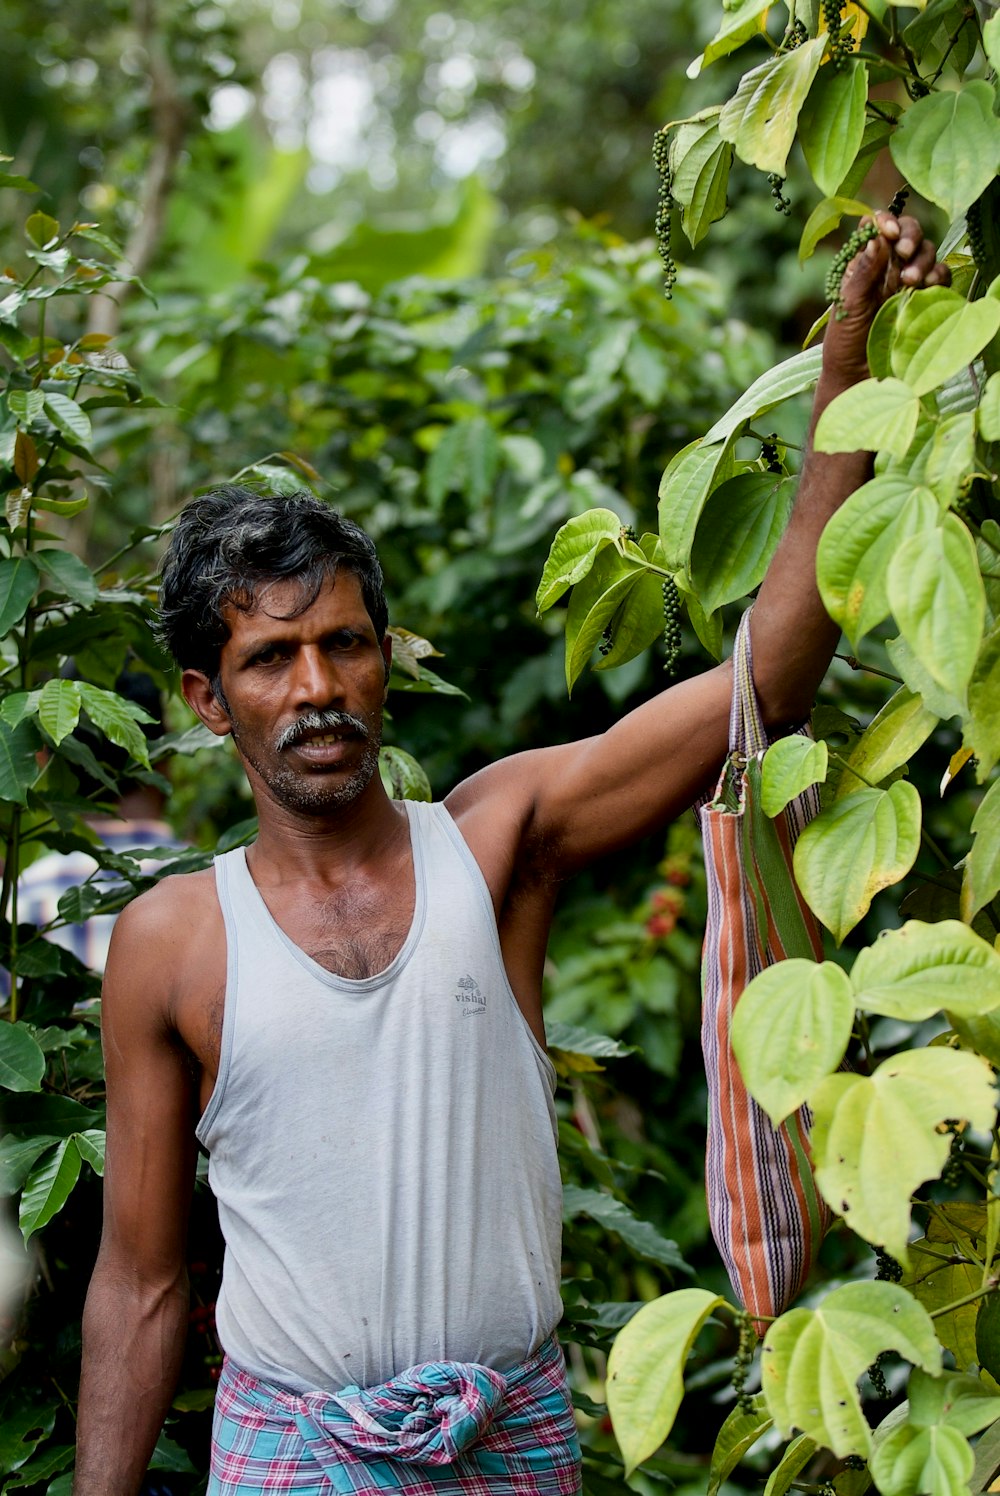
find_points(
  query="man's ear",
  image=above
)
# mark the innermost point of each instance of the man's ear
(202, 700)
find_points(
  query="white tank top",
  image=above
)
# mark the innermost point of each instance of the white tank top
(383, 1151)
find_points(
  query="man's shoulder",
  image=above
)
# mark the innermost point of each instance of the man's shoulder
(175, 915)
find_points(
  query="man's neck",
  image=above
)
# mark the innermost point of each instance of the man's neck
(294, 844)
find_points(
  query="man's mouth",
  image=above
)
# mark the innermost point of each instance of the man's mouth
(324, 739)
(322, 730)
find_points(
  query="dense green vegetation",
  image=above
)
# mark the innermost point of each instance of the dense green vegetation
(295, 337)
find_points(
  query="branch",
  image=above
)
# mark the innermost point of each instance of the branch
(169, 114)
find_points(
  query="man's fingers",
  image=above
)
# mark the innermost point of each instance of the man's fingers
(940, 275)
(911, 236)
(921, 265)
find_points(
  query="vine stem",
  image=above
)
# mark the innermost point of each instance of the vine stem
(951, 45)
(964, 1247)
(968, 1298)
(855, 664)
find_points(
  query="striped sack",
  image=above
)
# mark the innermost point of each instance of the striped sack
(444, 1428)
(765, 1213)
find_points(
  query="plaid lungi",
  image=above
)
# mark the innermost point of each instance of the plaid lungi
(444, 1428)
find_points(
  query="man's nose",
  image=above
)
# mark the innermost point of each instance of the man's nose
(317, 681)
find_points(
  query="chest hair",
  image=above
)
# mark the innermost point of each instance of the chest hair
(356, 932)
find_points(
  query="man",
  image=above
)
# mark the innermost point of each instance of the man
(350, 1013)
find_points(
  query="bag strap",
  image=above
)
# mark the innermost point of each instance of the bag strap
(747, 737)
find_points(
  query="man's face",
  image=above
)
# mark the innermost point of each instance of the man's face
(304, 695)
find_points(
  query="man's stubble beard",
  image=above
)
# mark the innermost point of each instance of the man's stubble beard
(313, 794)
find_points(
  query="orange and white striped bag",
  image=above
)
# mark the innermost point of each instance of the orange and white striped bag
(766, 1215)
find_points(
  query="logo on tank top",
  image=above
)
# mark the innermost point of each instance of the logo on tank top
(471, 997)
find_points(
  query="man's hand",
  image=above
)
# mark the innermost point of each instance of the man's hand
(897, 258)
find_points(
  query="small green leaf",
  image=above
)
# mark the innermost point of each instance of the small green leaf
(824, 218)
(875, 1139)
(880, 336)
(574, 550)
(49, 1186)
(402, 775)
(54, 1458)
(18, 763)
(71, 576)
(876, 415)
(786, 379)
(22, 1063)
(21, 1429)
(790, 766)
(987, 1317)
(737, 535)
(573, 1040)
(67, 417)
(812, 1359)
(699, 163)
(41, 229)
(25, 405)
(761, 118)
(687, 481)
(888, 742)
(832, 124)
(645, 1369)
(117, 719)
(988, 414)
(737, 1435)
(20, 184)
(59, 1116)
(59, 708)
(641, 1237)
(465, 460)
(792, 1026)
(66, 508)
(918, 678)
(947, 145)
(739, 23)
(937, 1284)
(638, 622)
(921, 969)
(594, 602)
(954, 1398)
(859, 542)
(981, 876)
(91, 1145)
(938, 332)
(168, 1455)
(951, 461)
(794, 1460)
(936, 594)
(17, 1156)
(18, 580)
(982, 730)
(991, 41)
(910, 1461)
(854, 848)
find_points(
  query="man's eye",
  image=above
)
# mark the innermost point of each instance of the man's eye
(268, 656)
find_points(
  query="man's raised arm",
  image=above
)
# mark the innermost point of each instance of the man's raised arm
(582, 800)
(793, 636)
(135, 1319)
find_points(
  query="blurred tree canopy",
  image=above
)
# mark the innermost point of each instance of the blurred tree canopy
(378, 106)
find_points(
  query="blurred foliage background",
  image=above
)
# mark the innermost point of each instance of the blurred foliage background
(401, 253)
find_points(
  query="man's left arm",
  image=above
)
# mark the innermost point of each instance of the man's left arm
(582, 800)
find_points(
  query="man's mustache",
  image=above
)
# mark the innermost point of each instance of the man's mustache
(328, 721)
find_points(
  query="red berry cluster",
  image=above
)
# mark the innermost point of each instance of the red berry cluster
(667, 905)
